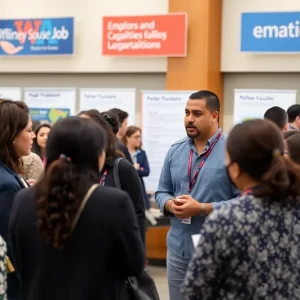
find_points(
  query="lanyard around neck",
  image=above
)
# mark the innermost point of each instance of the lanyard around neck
(193, 180)
(102, 180)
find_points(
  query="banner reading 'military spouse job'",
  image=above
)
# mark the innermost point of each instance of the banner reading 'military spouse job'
(157, 35)
(43, 36)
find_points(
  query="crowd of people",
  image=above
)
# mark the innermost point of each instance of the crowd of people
(73, 201)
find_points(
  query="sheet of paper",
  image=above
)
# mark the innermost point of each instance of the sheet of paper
(48, 105)
(252, 104)
(196, 239)
(162, 122)
(106, 99)
(11, 93)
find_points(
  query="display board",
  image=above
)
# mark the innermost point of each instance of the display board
(10, 93)
(106, 99)
(162, 119)
(252, 104)
(48, 105)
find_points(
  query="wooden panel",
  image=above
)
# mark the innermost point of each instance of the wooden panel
(156, 242)
(201, 68)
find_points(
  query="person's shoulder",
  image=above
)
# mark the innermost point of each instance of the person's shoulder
(109, 196)
(8, 179)
(124, 164)
(26, 194)
(108, 190)
(223, 136)
(5, 172)
(121, 146)
(141, 153)
(24, 201)
(235, 210)
(180, 143)
(34, 157)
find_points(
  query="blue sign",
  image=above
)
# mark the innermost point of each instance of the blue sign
(51, 36)
(270, 32)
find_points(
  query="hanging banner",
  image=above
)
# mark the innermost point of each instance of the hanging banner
(106, 99)
(252, 104)
(162, 119)
(153, 35)
(41, 36)
(10, 93)
(268, 32)
(48, 105)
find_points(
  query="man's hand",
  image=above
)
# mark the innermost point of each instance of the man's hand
(185, 206)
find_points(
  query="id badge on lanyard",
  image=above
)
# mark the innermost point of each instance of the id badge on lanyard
(193, 179)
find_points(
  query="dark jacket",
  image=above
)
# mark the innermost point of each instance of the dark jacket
(125, 151)
(103, 250)
(130, 183)
(141, 158)
(10, 184)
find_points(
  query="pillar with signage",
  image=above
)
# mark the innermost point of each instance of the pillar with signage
(200, 69)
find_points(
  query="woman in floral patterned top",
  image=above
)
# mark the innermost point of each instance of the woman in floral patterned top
(251, 249)
(2, 270)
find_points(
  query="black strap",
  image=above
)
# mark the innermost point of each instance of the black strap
(116, 173)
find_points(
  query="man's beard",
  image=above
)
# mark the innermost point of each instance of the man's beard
(192, 135)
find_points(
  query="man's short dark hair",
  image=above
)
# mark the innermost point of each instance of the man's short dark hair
(212, 100)
(122, 115)
(277, 115)
(293, 112)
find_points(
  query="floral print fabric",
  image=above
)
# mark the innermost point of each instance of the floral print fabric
(2, 270)
(248, 250)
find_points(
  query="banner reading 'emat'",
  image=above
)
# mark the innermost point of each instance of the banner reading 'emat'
(42, 36)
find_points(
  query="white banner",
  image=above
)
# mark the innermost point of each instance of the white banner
(47, 105)
(162, 125)
(10, 93)
(106, 99)
(252, 104)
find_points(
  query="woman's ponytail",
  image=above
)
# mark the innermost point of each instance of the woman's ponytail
(281, 180)
(59, 196)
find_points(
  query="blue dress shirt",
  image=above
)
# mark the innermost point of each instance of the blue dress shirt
(211, 186)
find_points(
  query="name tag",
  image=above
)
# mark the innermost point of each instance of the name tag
(186, 221)
(196, 239)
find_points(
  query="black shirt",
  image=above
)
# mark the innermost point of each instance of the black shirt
(130, 183)
(125, 151)
(103, 250)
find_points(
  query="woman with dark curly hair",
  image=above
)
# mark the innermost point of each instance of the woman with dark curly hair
(72, 238)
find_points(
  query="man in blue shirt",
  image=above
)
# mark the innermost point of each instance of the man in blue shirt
(193, 182)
